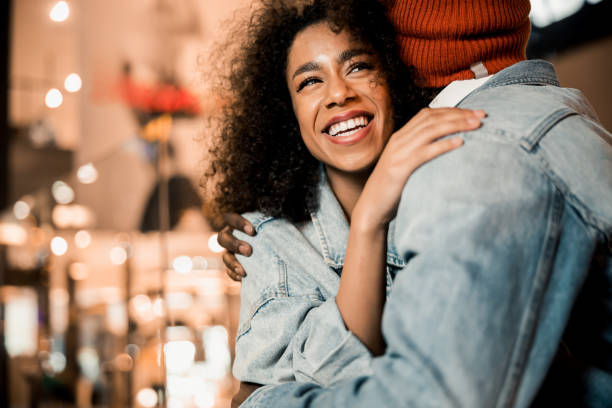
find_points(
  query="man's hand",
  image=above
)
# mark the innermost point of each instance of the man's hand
(232, 245)
(243, 393)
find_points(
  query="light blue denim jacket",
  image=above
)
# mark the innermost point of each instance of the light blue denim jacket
(290, 326)
(507, 242)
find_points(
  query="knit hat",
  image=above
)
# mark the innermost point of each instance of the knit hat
(443, 38)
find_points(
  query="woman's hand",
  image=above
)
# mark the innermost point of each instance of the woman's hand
(414, 144)
(233, 246)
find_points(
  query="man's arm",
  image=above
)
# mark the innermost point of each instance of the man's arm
(476, 316)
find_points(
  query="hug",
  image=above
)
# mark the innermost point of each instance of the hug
(427, 214)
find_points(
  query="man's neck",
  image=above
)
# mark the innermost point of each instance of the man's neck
(454, 92)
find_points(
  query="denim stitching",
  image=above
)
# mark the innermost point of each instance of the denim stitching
(529, 322)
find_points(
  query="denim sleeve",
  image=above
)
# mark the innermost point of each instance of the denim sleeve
(288, 335)
(496, 258)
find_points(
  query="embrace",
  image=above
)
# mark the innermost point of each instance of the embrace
(403, 255)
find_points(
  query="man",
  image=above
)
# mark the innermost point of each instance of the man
(506, 298)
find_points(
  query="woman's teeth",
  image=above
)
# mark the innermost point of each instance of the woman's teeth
(348, 127)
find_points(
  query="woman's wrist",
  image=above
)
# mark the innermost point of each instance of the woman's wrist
(365, 220)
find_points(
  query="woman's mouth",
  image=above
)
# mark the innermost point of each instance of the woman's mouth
(349, 131)
(348, 127)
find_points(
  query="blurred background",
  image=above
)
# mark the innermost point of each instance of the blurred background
(112, 291)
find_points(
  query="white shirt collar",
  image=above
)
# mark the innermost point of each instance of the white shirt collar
(454, 92)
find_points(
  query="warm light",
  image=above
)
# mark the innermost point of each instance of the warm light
(72, 216)
(78, 271)
(214, 245)
(87, 173)
(199, 262)
(182, 264)
(20, 321)
(118, 255)
(89, 362)
(142, 307)
(21, 209)
(59, 12)
(57, 361)
(117, 318)
(147, 397)
(179, 355)
(12, 234)
(73, 82)
(59, 246)
(158, 307)
(204, 398)
(54, 98)
(82, 239)
(62, 192)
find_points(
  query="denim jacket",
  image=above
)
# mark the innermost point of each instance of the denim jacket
(506, 297)
(290, 326)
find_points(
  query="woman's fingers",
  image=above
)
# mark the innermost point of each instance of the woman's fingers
(237, 221)
(226, 239)
(435, 126)
(233, 268)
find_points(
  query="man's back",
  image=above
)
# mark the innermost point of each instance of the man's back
(501, 235)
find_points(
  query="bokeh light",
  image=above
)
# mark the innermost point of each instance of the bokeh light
(62, 192)
(118, 255)
(82, 239)
(21, 209)
(199, 262)
(182, 264)
(180, 356)
(213, 244)
(73, 82)
(59, 246)
(147, 397)
(59, 12)
(54, 98)
(87, 173)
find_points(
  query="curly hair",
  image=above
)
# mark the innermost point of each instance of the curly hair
(258, 158)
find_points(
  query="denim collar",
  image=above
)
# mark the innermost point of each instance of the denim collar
(528, 72)
(333, 229)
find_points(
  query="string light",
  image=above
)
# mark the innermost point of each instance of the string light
(213, 244)
(82, 239)
(87, 173)
(62, 192)
(182, 264)
(73, 82)
(118, 255)
(54, 98)
(59, 246)
(21, 209)
(59, 12)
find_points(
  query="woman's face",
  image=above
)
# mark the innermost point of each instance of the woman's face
(340, 98)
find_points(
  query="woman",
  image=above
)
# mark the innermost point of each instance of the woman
(312, 142)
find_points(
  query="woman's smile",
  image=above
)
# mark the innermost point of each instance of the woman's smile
(340, 98)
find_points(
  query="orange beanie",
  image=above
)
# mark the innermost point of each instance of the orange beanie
(443, 38)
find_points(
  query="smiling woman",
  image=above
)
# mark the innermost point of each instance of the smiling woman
(258, 128)
(316, 146)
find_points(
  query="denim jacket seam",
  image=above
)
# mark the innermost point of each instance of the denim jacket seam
(529, 320)
(269, 297)
(585, 213)
(541, 128)
(334, 351)
(334, 263)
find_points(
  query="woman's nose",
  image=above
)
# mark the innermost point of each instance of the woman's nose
(339, 91)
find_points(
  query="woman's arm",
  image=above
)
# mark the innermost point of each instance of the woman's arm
(361, 294)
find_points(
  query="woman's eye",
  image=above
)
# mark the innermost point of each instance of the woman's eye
(359, 66)
(307, 82)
